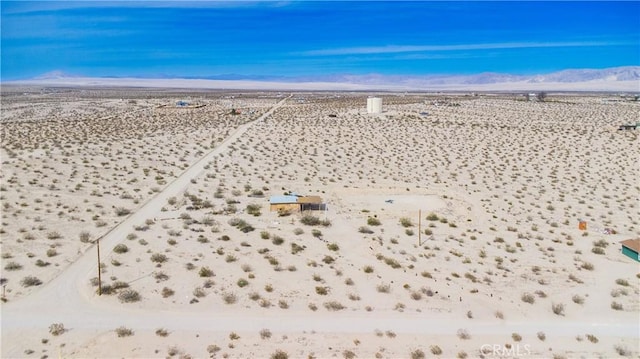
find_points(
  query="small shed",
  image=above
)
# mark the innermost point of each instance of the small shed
(630, 248)
(284, 203)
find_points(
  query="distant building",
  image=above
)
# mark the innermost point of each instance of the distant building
(630, 248)
(295, 203)
(182, 103)
(374, 105)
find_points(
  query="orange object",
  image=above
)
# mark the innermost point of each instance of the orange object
(582, 225)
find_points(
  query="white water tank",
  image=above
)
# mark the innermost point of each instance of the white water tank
(374, 105)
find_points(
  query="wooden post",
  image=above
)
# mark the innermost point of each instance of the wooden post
(99, 274)
(419, 227)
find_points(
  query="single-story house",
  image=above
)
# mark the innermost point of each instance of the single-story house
(630, 248)
(295, 203)
(284, 203)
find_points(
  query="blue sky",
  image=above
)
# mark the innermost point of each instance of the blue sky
(314, 39)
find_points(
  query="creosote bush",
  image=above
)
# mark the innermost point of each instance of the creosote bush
(123, 332)
(57, 329)
(30, 281)
(121, 248)
(129, 296)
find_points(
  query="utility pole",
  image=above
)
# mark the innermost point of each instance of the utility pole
(99, 274)
(419, 227)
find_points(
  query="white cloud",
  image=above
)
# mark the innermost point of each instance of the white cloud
(392, 49)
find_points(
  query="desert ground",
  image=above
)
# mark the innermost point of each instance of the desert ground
(451, 227)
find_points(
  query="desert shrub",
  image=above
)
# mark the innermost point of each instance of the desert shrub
(616, 306)
(600, 243)
(528, 298)
(229, 298)
(328, 259)
(622, 282)
(205, 272)
(121, 211)
(158, 258)
(373, 221)
(265, 334)
(212, 348)
(417, 354)
(578, 299)
(167, 292)
(54, 235)
(348, 354)
(541, 336)
(295, 248)
(435, 350)
(253, 209)
(277, 240)
(333, 247)
(161, 332)
(587, 266)
(279, 354)
(198, 292)
(516, 337)
(121, 248)
(129, 296)
(123, 332)
(432, 217)
(368, 269)
(30, 281)
(406, 222)
(106, 289)
(322, 290)
(592, 338)
(392, 262)
(242, 282)
(11, 266)
(597, 250)
(383, 288)
(41, 263)
(463, 334)
(365, 230)
(310, 220)
(57, 329)
(622, 350)
(333, 305)
(241, 224)
(84, 236)
(119, 285)
(557, 308)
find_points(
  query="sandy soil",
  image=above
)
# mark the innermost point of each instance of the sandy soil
(451, 227)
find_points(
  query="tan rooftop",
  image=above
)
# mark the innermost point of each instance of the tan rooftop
(633, 244)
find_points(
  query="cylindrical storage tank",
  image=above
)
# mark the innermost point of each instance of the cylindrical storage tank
(374, 105)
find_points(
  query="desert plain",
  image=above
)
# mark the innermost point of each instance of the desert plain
(450, 227)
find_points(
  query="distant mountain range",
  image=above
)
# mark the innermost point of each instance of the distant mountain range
(610, 79)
